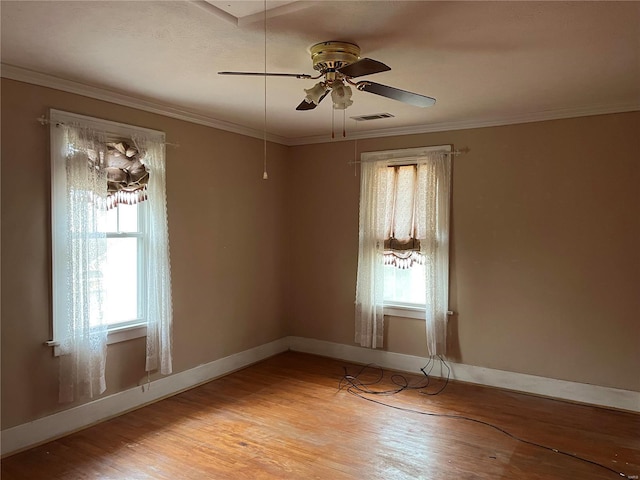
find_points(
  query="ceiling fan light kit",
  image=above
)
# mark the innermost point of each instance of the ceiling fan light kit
(316, 93)
(338, 63)
(341, 96)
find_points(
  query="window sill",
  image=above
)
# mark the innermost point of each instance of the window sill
(116, 334)
(129, 332)
(404, 311)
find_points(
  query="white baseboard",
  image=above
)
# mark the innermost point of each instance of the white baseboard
(59, 424)
(549, 387)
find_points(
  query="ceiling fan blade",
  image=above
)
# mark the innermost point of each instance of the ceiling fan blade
(364, 66)
(307, 105)
(396, 94)
(267, 74)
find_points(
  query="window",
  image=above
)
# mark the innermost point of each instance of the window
(108, 219)
(403, 242)
(110, 247)
(404, 272)
(404, 288)
(124, 266)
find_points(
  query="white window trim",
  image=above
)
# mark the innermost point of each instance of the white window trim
(408, 311)
(404, 311)
(117, 333)
(122, 333)
(141, 273)
(405, 155)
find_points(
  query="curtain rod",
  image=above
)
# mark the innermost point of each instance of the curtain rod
(45, 121)
(460, 151)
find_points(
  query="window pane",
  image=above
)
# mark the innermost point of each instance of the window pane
(404, 203)
(95, 282)
(404, 285)
(109, 221)
(121, 280)
(128, 218)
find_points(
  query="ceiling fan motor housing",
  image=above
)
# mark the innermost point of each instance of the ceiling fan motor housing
(329, 56)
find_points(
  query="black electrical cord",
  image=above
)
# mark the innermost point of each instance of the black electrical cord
(360, 389)
(431, 363)
(400, 381)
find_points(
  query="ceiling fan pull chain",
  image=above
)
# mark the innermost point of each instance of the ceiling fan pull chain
(265, 175)
(333, 121)
(355, 150)
(344, 124)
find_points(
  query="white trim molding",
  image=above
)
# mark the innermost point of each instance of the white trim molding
(20, 74)
(62, 423)
(467, 124)
(520, 382)
(65, 422)
(43, 80)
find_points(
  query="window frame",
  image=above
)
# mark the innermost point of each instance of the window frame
(117, 332)
(405, 156)
(141, 235)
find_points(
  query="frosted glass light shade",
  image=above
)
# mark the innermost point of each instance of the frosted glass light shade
(315, 93)
(341, 96)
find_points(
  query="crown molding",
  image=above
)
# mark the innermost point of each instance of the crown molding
(36, 78)
(30, 76)
(469, 124)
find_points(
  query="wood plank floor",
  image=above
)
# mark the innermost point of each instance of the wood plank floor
(285, 418)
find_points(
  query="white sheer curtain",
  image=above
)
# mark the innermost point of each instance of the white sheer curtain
(83, 347)
(404, 206)
(432, 229)
(375, 195)
(158, 294)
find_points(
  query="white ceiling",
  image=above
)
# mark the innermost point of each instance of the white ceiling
(486, 63)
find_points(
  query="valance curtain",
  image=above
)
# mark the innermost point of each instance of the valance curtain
(403, 214)
(88, 192)
(404, 219)
(127, 175)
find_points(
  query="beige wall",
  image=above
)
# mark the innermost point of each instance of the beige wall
(545, 266)
(545, 236)
(225, 226)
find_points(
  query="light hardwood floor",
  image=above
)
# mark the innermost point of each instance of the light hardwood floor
(285, 418)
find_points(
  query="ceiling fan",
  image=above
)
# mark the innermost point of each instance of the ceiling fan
(338, 63)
